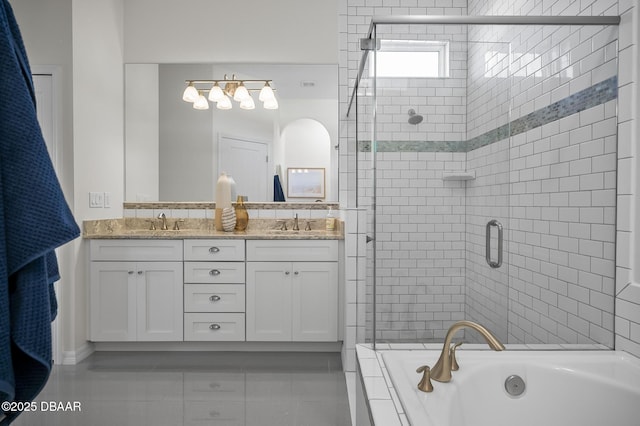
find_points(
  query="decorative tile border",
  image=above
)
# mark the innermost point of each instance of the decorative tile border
(597, 94)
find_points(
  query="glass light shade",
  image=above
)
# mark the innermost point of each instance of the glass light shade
(201, 103)
(247, 103)
(266, 93)
(190, 94)
(224, 103)
(215, 94)
(271, 104)
(241, 93)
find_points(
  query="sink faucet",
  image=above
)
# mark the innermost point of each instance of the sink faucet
(295, 223)
(162, 217)
(441, 371)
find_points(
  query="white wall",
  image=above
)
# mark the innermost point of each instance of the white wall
(98, 114)
(242, 31)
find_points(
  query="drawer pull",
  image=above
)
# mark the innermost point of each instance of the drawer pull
(214, 327)
(213, 250)
(214, 298)
(214, 272)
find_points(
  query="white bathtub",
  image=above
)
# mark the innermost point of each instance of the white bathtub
(564, 388)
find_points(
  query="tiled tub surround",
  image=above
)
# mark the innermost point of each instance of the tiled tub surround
(382, 405)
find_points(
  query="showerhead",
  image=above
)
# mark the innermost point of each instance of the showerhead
(413, 117)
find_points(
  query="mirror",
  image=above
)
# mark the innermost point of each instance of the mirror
(174, 152)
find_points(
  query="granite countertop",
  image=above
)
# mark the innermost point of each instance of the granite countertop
(258, 229)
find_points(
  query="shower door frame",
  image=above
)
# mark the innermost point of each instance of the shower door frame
(368, 44)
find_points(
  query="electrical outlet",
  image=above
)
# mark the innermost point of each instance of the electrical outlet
(96, 200)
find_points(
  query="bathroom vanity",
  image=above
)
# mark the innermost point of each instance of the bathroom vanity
(201, 285)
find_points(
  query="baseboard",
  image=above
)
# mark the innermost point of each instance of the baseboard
(74, 357)
(219, 346)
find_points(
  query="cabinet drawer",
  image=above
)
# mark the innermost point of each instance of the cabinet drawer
(213, 298)
(137, 250)
(214, 272)
(218, 250)
(213, 327)
(292, 250)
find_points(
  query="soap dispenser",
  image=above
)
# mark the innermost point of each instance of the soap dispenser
(330, 221)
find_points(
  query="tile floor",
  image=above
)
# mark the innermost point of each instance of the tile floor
(197, 388)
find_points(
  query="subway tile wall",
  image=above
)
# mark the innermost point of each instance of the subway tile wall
(569, 299)
(562, 191)
(420, 249)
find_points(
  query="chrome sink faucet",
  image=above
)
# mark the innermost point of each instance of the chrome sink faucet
(441, 371)
(163, 218)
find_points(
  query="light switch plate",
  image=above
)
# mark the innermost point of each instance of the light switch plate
(96, 200)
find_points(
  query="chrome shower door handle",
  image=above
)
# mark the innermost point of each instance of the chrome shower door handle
(490, 224)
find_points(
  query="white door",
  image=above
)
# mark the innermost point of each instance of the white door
(315, 301)
(248, 163)
(113, 301)
(45, 102)
(268, 308)
(159, 301)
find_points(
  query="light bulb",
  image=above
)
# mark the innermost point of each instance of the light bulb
(271, 104)
(266, 92)
(247, 103)
(224, 103)
(201, 103)
(215, 94)
(241, 93)
(190, 94)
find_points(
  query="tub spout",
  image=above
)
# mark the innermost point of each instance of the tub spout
(441, 371)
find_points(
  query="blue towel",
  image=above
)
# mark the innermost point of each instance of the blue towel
(278, 194)
(34, 220)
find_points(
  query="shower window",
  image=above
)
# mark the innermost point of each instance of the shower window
(412, 59)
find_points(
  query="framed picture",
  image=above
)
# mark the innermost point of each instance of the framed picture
(305, 182)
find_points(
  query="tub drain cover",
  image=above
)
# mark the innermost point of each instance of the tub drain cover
(514, 385)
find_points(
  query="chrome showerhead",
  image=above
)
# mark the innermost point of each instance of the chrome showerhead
(413, 117)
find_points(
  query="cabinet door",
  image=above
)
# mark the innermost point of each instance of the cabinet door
(268, 312)
(315, 301)
(113, 301)
(159, 297)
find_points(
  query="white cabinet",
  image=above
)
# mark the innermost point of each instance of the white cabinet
(136, 301)
(214, 290)
(292, 301)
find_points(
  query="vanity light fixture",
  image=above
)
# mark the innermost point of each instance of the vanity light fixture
(201, 102)
(222, 91)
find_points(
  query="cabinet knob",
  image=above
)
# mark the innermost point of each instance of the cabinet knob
(287, 273)
(214, 250)
(296, 273)
(214, 327)
(140, 272)
(214, 298)
(214, 272)
(130, 272)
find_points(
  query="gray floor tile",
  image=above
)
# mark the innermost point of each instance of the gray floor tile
(197, 388)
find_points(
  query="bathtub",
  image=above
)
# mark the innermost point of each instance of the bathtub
(564, 388)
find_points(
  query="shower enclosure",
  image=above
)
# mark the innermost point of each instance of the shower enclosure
(499, 206)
